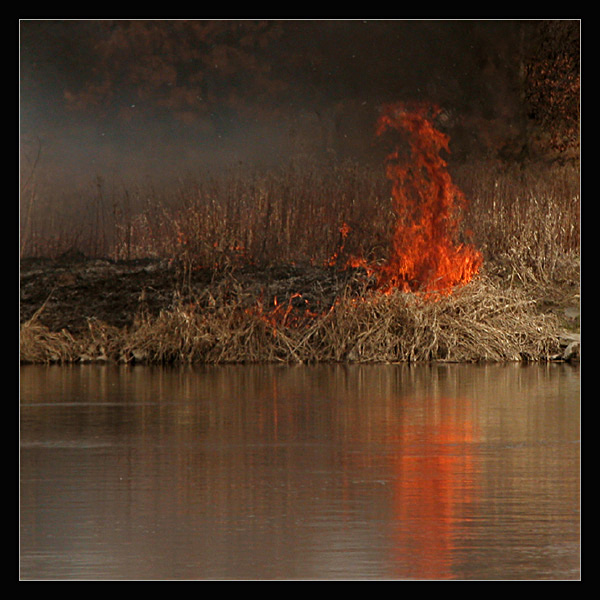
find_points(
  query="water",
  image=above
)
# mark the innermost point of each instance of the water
(278, 472)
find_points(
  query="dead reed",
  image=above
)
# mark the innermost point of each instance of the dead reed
(478, 322)
(525, 223)
(40, 345)
(288, 214)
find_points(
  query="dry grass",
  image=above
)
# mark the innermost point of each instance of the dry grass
(40, 345)
(478, 322)
(291, 214)
(526, 225)
(525, 221)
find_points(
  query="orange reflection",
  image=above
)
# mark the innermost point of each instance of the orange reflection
(434, 489)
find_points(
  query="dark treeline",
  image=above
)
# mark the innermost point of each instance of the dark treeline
(509, 89)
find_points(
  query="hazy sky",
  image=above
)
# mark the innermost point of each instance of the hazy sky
(110, 97)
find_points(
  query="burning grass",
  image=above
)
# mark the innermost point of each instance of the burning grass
(425, 252)
(479, 322)
(427, 277)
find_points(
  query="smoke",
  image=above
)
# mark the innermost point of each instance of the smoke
(157, 98)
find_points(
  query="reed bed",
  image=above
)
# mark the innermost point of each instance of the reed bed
(478, 322)
(38, 344)
(292, 213)
(525, 223)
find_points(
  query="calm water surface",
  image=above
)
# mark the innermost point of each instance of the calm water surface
(279, 472)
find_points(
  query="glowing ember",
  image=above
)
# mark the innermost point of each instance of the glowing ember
(344, 231)
(425, 254)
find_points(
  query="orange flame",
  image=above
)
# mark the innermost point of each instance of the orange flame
(425, 255)
(344, 231)
(282, 316)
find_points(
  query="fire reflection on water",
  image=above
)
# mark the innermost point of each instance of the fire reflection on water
(330, 471)
(434, 488)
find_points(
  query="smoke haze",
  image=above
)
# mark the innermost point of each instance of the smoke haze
(159, 98)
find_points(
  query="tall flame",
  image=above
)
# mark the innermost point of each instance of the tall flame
(425, 255)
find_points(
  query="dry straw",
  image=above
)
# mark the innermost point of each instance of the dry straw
(526, 225)
(478, 322)
(40, 345)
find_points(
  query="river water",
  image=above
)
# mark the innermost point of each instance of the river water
(300, 472)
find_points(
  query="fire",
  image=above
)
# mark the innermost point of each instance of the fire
(293, 315)
(344, 231)
(425, 254)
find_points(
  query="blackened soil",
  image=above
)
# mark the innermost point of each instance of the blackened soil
(74, 289)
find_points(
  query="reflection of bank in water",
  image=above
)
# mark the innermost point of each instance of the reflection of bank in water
(320, 471)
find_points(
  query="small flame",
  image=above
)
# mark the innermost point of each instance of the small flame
(344, 231)
(282, 315)
(425, 254)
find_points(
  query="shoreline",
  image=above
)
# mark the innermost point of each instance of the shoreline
(76, 309)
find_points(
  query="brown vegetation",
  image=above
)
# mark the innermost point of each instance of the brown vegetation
(478, 322)
(215, 244)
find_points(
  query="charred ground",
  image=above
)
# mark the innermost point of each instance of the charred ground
(79, 309)
(73, 288)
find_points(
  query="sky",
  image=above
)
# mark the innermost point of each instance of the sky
(120, 99)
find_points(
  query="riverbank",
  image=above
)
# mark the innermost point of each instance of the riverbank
(76, 309)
